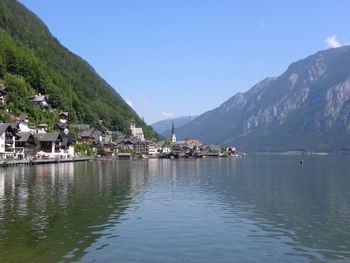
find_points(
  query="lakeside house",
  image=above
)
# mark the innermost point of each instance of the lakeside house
(153, 150)
(20, 140)
(25, 145)
(84, 133)
(125, 142)
(85, 137)
(56, 144)
(8, 138)
(49, 142)
(132, 143)
(67, 144)
(166, 150)
(91, 136)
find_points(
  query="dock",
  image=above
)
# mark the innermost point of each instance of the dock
(7, 163)
(124, 156)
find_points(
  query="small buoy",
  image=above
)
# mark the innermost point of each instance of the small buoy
(301, 161)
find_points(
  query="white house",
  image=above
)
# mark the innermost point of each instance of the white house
(49, 142)
(23, 124)
(166, 150)
(152, 150)
(64, 117)
(7, 141)
(42, 128)
(56, 144)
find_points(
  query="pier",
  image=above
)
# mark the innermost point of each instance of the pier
(6, 163)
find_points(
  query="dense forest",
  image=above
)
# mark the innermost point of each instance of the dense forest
(32, 61)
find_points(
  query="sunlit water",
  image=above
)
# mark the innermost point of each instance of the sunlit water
(254, 209)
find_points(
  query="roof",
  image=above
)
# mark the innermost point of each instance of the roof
(86, 134)
(64, 113)
(128, 139)
(14, 125)
(179, 143)
(67, 139)
(195, 142)
(23, 118)
(141, 142)
(39, 98)
(61, 126)
(96, 135)
(214, 147)
(47, 137)
(24, 136)
(3, 127)
(80, 127)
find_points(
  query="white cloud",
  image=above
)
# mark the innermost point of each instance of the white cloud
(129, 102)
(167, 114)
(333, 42)
(262, 24)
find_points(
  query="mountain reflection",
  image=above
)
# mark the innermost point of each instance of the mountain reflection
(57, 209)
(308, 205)
(174, 210)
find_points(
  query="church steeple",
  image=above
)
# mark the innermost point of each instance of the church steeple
(132, 124)
(173, 136)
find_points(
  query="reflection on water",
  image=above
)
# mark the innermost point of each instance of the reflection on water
(263, 209)
(46, 210)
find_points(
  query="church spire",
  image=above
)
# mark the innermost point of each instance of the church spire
(173, 136)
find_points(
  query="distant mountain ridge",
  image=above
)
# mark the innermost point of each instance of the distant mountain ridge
(163, 127)
(305, 108)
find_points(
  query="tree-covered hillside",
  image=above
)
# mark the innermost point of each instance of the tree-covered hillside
(33, 61)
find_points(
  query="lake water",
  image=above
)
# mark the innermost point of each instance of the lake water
(254, 209)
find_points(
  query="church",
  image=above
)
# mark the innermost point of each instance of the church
(136, 132)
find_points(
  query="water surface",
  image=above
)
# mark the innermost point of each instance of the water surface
(255, 209)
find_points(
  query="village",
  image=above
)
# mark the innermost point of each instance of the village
(22, 141)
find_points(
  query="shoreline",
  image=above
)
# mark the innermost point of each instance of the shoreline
(11, 163)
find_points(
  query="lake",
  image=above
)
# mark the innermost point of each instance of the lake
(253, 209)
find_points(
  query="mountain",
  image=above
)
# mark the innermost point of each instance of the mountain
(33, 61)
(164, 126)
(305, 108)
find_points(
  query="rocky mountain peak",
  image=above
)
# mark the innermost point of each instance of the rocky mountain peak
(303, 108)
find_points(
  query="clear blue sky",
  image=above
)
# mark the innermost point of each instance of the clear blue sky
(185, 57)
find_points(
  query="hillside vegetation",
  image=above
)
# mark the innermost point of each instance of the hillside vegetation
(32, 61)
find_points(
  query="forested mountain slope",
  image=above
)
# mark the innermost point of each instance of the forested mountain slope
(33, 61)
